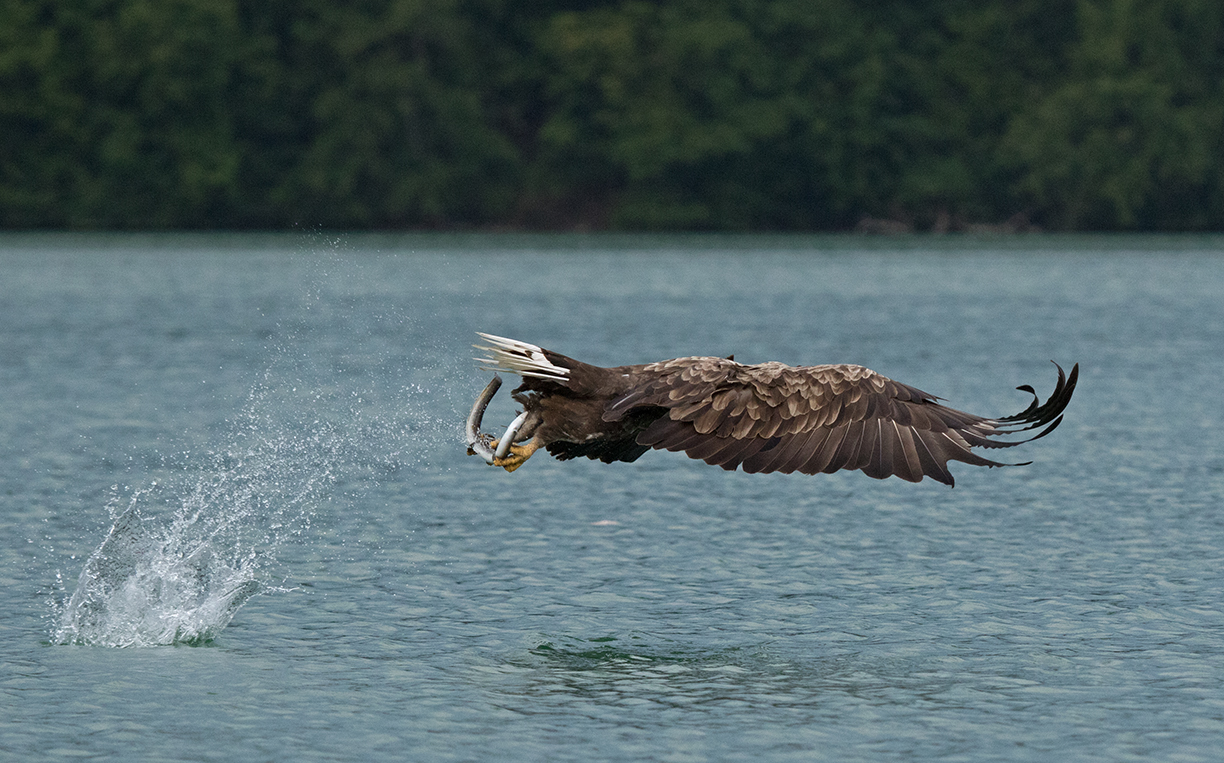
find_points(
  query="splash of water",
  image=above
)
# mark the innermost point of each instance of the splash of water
(181, 558)
(144, 586)
(155, 581)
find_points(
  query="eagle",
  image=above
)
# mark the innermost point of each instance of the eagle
(767, 417)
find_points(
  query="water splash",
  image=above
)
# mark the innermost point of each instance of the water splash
(155, 581)
(144, 586)
(181, 558)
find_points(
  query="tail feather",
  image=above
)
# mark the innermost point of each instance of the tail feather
(515, 357)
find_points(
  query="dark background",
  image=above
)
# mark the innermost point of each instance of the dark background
(546, 114)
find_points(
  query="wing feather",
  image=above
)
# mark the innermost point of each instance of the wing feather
(771, 417)
(848, 449)
(769, 460)
(664, 432)
(931, 456)
(685, 439)
(706, 448)
(879, 459)
(869, 445)
(810, 447)
(824, 455)
(907, 466)
(735, 451)
(786, 456)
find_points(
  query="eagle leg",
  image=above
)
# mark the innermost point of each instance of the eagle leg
(518, 454)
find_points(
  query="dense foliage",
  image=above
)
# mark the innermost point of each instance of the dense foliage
(684, 114)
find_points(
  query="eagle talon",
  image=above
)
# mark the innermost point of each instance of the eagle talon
(518, 455)
(500, 451)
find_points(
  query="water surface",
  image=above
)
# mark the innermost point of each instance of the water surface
(288, 411)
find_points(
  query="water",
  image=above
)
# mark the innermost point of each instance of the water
(249, 451)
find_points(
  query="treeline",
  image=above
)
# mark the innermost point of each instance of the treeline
(561, 114)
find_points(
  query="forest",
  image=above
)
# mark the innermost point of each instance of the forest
(678, 115)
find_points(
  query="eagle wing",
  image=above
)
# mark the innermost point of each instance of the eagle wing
(772, 417)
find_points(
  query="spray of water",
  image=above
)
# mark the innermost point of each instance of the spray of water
(142, 587)
(180, 559)
(183, 556)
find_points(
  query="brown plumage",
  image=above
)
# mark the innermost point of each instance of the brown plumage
(761, 418)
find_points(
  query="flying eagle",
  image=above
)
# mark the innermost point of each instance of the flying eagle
(768, 417)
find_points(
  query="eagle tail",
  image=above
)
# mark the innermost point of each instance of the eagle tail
(515, 357)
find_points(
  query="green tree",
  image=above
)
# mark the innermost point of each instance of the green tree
(120, 116)
(792, 113)
(681, 114)
(1131, 138)
(957, 70)
(705, 114)
(389, 125)
(35, 116)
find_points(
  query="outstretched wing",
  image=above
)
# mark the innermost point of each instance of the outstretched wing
(771, 417)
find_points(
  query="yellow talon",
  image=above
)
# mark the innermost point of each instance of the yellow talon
(518, 454)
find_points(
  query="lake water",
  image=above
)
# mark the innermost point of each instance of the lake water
(282, 416)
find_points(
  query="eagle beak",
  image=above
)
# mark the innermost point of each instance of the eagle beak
(479, 443)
